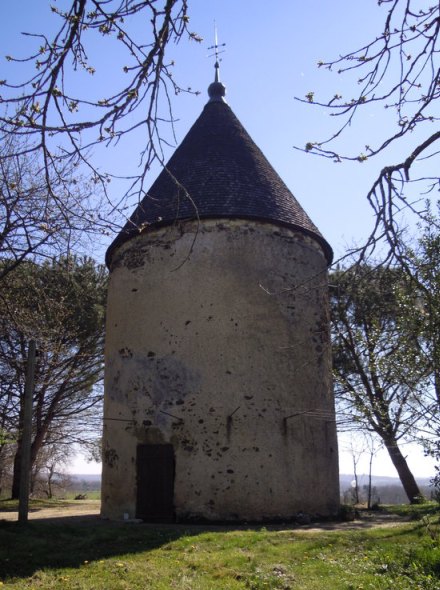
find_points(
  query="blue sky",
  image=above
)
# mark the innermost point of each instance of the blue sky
(271, 56)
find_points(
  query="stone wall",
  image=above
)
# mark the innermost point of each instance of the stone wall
(218, 343)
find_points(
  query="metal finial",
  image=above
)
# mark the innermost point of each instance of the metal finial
(216, 90)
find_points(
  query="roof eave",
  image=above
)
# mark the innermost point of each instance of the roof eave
(126, 235)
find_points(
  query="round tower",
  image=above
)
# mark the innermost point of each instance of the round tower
(218, 394)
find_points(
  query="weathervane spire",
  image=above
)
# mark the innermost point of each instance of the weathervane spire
(216, 90)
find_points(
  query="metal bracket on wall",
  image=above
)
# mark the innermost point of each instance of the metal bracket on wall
(229, 421)
(180, 420)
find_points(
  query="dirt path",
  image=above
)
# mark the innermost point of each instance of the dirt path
(87, 512)
(74, 509)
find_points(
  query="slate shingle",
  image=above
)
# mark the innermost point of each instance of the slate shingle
(220, 173)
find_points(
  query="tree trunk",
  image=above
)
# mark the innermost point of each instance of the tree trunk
(406, 477)
(356, 481)
(51, 473)
(16, 473)
(15, 493)
(370, 469)
(2, 468)
(35, 448)
(437, 382)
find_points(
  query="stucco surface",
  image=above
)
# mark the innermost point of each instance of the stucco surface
(218, 343)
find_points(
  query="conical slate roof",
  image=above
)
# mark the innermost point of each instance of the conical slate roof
(218, 172)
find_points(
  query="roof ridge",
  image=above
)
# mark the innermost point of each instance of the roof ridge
(218, 172)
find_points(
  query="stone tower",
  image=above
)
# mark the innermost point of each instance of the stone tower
(218, 394)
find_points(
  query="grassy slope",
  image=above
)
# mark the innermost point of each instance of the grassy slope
(121, 557)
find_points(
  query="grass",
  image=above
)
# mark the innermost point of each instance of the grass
(106, 556)
(8, 505)
(414, 511)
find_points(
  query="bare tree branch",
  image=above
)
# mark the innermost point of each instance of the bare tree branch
(400, 70)
(48, 114)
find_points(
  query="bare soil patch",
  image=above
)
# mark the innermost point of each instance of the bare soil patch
(88, 511)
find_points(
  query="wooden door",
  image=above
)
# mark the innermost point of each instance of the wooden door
(155, 483)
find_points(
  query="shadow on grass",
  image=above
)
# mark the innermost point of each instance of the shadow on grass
(35, 505)
(69, 541)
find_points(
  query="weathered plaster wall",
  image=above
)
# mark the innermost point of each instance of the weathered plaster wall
(218, 342)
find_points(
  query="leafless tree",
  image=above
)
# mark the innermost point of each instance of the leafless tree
(35, 225)
(356, 454)
(49, 115)
(48, 474)
(400, 70)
